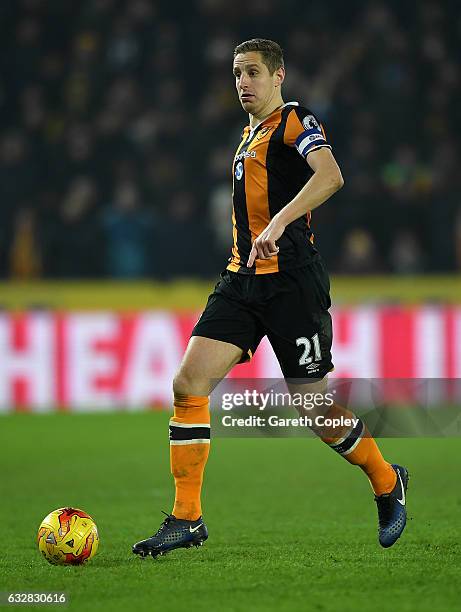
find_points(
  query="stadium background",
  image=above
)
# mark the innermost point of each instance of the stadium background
(118, 122)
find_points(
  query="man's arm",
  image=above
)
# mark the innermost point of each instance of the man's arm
(325, 181)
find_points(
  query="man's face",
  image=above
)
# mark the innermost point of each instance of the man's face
(256, 87)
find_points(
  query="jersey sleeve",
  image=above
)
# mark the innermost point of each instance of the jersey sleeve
(304, 131)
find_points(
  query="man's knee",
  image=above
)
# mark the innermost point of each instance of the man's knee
(313, 395)
(185, 383)
(182, 383)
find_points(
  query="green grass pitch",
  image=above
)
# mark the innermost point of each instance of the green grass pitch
(292, 525)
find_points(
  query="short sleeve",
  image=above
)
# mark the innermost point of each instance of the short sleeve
(304, 131)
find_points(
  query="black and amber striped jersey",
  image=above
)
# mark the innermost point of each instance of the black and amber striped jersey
(269, 169)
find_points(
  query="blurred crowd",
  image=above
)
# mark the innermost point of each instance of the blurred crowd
(119, 121)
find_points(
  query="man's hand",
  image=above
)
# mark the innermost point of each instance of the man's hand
(264, 246)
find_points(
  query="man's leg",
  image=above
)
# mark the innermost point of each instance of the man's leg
(299, 329)
(355, 444)
(205, 363)
(358, 447)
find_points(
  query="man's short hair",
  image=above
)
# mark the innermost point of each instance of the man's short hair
(271, 52)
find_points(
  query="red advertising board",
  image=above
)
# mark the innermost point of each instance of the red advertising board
(103, 360)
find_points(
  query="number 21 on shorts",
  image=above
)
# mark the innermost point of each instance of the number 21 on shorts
(306, 357)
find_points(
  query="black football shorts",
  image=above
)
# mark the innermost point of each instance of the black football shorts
(290, 307)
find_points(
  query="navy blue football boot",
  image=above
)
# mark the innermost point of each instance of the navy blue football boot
(173, 533)
(392, 513)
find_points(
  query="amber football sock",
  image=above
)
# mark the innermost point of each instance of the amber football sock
(189, 449)
(358, 447)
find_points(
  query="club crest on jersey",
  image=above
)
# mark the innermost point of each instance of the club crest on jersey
(239, 171)
(262, 133)
(310, 122)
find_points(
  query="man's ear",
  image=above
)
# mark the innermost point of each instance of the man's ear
(279, 76)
